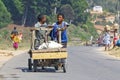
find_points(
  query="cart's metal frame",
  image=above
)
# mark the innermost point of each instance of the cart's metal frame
(48, 57)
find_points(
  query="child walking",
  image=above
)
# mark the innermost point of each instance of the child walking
(106, 40)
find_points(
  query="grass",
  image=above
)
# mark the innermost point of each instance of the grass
(6, 42)
(115, 52)
(76, 35)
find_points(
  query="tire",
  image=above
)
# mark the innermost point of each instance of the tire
(35, 65)
(29, 64)
(64, 68)
(43, 68)
(56, 67)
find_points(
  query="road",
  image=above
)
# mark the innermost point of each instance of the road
(84, 63)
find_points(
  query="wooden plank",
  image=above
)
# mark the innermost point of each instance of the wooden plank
(41, 28)
(56, 55)
(32, 39)
(49, 50)
(60, 37)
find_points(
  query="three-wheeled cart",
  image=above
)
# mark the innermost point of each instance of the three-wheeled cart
(46, 57)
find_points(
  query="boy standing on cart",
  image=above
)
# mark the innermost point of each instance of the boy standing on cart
(60, 25)
(40, 34)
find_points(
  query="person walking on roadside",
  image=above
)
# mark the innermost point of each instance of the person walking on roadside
(13, 33)
(118, 42)
(15, 38)
(106, 40)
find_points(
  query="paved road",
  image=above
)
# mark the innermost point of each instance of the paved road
(84, 63)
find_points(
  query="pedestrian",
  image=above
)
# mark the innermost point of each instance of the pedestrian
(115, 38)
(14, 37)
(16, 41)
(106, 40)
(13, 33)
(60, 25)
(118, 42)
(100, 40)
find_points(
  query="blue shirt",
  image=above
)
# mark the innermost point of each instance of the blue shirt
(63, 33)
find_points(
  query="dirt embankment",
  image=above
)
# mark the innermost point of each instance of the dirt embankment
(115, 53)
(6, 46)
(6, 55)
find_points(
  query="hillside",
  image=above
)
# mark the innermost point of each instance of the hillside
(76, 36)
(5, 41)
(108, 5)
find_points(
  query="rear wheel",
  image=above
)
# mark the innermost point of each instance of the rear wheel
(56, 67)
(64, 68)
(35, 65)
(29, 64)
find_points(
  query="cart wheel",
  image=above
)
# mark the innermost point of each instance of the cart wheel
(56, 67)
(29, 64)
(35, 65)
(43, 68)
(64, 68)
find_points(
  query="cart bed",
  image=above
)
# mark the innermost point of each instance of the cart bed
(49, 54)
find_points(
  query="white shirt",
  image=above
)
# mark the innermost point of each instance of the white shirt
(38, 25)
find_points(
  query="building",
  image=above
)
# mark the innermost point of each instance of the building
(98, 9)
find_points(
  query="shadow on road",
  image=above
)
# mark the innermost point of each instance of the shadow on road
(46, 70)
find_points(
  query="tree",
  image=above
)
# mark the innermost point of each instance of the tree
(24, 12)
(68, 12)
(79, 7)
(5, 16)
(15, 7)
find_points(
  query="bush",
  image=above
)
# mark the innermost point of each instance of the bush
(5, 17)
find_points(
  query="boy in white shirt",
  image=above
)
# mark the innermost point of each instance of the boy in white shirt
(106, 40)
(40, 34)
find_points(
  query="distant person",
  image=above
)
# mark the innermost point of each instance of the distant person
(115, 38)
(16, 38)
(100, 40)
(60, 25)
(14, 33)
(118, 42)
(106, 40)
(16, 41)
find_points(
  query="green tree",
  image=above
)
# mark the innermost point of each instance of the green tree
(79, 7)
(15, 7)
(68, 12)
(5, 16)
